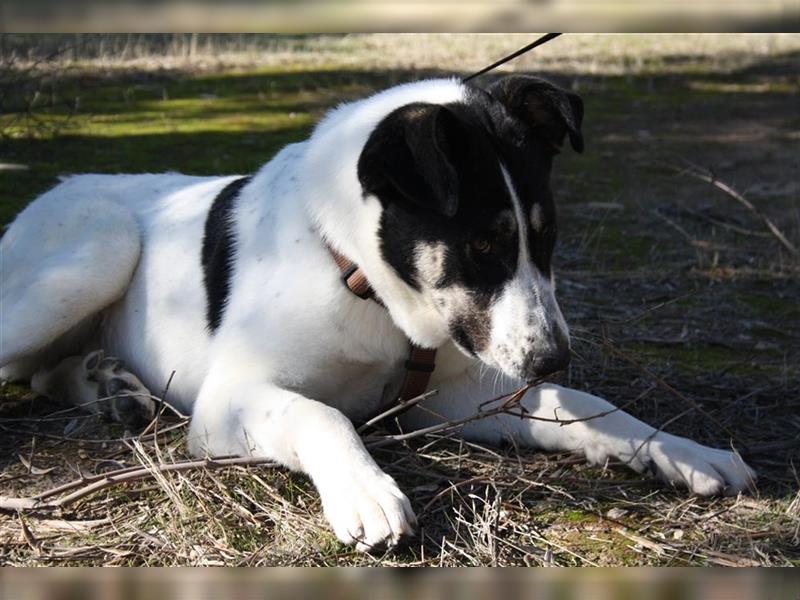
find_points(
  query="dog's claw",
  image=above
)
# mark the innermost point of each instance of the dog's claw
(368, 510)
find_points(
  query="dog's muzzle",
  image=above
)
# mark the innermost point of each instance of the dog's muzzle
(555, 358)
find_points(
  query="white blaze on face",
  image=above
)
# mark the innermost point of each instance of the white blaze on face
(429, 259)
(536, 218)
(525, 317)
(451, 300)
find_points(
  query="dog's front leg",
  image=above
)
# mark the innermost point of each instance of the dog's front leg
(362, 503)
(562, 419)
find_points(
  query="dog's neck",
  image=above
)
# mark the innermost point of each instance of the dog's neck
(349, 221)
(353, 231)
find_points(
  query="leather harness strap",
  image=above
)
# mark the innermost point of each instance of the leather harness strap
(419, 366)
(421, 361)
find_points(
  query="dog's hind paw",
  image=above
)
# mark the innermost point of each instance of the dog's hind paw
(120, 393)
(685, 463)
(368, 510)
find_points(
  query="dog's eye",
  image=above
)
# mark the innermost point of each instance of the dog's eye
(483, 246)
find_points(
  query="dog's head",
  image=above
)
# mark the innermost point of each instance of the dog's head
(468, 217)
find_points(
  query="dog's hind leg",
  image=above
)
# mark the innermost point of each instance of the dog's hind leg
(99, 385)
(61, 261)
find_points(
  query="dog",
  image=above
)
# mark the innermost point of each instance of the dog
(437, 190)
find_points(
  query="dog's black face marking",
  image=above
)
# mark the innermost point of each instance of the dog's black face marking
(219, 244)
(445, 175)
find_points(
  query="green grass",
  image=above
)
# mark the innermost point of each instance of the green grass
(197, 124)
(770, 304)
(203, 125)
(702, 357)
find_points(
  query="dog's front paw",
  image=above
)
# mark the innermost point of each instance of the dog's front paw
(367, 509)
(682, 462)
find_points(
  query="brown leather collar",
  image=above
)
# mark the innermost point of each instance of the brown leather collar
(421, 361)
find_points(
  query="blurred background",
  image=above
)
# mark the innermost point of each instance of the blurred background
(396, 16)
(476, 584)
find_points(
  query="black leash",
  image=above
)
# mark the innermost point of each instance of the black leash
(542, 40)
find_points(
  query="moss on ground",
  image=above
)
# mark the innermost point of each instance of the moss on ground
(772, 304)
(700, 357)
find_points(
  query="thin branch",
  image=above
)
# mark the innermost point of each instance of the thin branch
(704, 175)
(687, 400)
(524, 414)
(100, 441)
(509, 401)
(75, 490)
(87, 486)
(724, 224)
(65, 413)
(397, 410)
(658, 430)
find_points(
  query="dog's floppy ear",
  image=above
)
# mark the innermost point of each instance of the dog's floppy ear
(547, 109)
(409, 158)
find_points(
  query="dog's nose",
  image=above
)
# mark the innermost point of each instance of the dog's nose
(541, 366)
(556, 358)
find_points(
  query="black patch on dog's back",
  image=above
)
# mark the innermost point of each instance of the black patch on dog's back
(218, 248)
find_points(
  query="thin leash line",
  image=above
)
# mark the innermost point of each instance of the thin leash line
(542, 40)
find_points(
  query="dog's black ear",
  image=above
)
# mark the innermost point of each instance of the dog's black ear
(550, 111)
(409, 158)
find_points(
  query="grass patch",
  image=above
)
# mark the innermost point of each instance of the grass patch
(770, 304)
(706, 358)
(227, 123)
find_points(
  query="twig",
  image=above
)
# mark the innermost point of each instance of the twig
(65, 413)
(397, 409)
(724, 224)
(383, 440)
(88, 485)
(101, 441)
(648, 311)
(508, 400)
(690, 401)
(562, 422)
(656, 431)
(153, 425)
(704, 175)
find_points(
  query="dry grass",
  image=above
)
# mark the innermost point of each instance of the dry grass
(683, 306)
(477, 506)
(586, 54)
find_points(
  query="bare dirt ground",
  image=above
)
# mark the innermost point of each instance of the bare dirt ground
(684, 308)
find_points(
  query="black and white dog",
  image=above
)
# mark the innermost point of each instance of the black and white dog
(438, 190)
